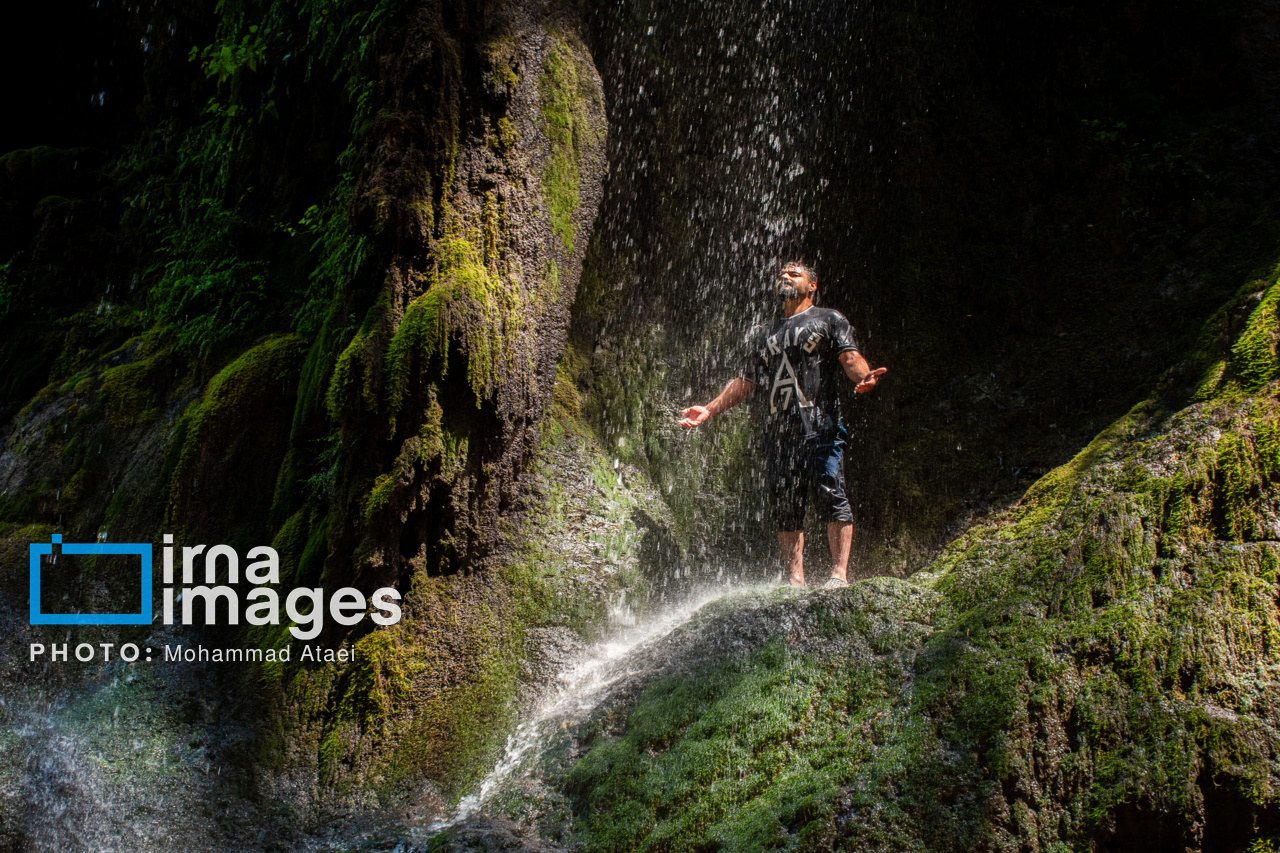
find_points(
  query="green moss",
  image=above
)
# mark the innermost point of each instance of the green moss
(564, 417)
(435, 441)
(1086, 586)
(1253, 356)
(749, 754)
(421, 336)
(427, 699)
(565, 123)
(435, 450)
(354, 372)
(232, 403)
(289, 542)
(560, 184)
(20, 507)
(260, 366)
(551, 281)
(132, 392)
(375, 684)
(75, 489)
(317, 367)
(380, 494)
(502, 78)
(507, 135)
(426, 213)
(1048, 494)
(459, 732)
(311, 561)
(470, 300)
(1238, 492)
(548, 582)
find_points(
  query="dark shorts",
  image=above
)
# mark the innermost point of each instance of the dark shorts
(796, 467)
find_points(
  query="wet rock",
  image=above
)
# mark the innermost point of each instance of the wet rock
(550, 652)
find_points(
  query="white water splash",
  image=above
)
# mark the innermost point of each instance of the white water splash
(582, 688)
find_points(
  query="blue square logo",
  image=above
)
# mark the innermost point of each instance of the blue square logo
(142, 617)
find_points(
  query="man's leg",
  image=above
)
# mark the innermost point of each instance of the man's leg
(792, 544)
(840, 538)
(827, 469)
(788, 489)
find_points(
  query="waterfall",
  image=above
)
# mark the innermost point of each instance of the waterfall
(734, 127)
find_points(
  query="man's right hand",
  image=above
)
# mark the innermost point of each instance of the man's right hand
(695, 416)
(733, 394)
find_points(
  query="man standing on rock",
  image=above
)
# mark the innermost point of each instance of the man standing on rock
(804, 438)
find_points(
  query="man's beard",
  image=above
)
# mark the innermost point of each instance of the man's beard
(787, 293)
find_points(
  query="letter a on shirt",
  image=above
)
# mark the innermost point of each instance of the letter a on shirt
(786, 383)
(798, 360)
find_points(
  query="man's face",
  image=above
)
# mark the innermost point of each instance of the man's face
(794, 283)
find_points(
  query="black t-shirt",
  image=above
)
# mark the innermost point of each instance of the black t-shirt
(798, 365)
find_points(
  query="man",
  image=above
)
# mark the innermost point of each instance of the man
(804, 438)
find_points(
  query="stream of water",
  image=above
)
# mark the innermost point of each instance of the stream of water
(580, 691)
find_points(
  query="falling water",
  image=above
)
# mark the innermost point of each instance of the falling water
(132, 759)
(68, 807)
(718, 172)
(580, 691)
(736, 127)
(76, 793)
(540, 740)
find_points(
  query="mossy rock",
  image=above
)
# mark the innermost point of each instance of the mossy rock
(228, 446)
(134, 393)
(567, 92)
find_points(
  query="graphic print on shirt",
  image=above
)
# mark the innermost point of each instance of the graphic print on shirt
(797, 362)
(785, 381)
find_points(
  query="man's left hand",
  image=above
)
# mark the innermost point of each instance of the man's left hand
(869, 381)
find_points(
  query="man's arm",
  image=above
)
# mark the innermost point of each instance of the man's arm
(859, 372)
(733, 394)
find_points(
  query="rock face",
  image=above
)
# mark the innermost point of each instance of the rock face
(484, 170)
(484, 173)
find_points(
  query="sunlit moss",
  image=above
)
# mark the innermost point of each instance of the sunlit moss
(354, 373)
(230, 402)
(566, 124)
(471, 298)
(1253, 356)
